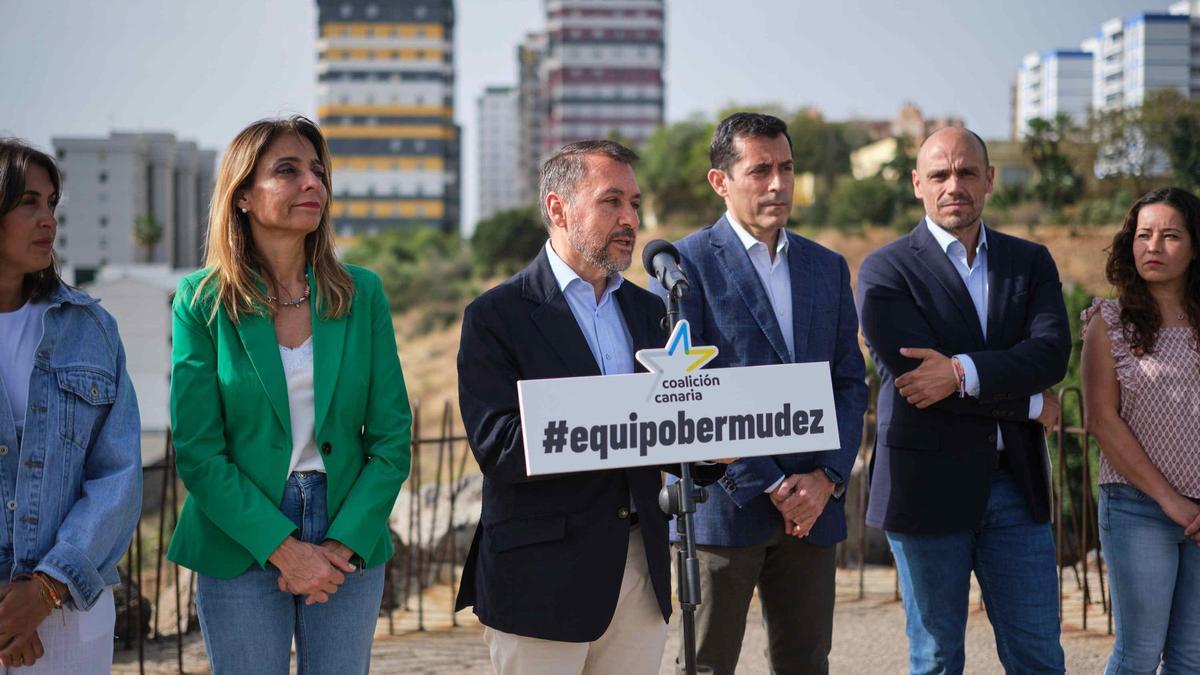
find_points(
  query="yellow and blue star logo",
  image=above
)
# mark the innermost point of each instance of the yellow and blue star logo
(680, 356)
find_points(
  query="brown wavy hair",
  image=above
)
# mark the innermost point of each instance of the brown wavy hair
(236, 268)
(15, 159)
(1140, 316)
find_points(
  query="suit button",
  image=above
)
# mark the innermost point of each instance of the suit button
(623, 512)
(11, 505)
(326, 448)
(991, 438)
(3, 450)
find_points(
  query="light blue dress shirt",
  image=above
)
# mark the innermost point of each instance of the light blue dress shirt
(975, 278)
(601, 321)
(775, 277)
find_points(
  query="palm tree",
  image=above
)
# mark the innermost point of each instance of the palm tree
(147, 233)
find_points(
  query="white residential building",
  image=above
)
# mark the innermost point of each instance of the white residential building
(1144, 52)
(499, 150)
(1054, 82)
(139, 298)
(111, 183)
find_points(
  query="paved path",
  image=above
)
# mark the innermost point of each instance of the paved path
(868, 638)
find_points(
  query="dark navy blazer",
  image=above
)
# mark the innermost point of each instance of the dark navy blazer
(549, 552)
(729, 308)
(932, 467)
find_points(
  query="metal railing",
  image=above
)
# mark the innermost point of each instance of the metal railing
(438, 460)
(1073, 510)
(439, 469)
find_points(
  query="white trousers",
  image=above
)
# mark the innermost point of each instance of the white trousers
(78, 643)
(632, 645)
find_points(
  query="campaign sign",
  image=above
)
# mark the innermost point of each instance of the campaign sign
(676, 413)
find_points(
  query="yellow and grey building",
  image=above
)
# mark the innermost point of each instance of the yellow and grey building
(385, 89)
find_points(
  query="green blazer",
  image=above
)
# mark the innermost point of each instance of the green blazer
(232, 429)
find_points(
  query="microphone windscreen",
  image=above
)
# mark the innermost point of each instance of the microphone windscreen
(653, 249)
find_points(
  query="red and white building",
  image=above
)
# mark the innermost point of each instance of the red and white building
(603, 71)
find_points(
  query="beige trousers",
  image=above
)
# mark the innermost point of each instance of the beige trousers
(632, 645)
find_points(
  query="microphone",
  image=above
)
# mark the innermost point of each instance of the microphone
(661, 261)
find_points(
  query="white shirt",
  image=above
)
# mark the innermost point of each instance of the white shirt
(975, 278)
(775, 277)
(298, 371)
(776, 280)
(601, 320)
(20, 334)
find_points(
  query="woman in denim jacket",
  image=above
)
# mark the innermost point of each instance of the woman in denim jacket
(70, 456)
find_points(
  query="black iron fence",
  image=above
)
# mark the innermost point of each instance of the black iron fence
(433, 534)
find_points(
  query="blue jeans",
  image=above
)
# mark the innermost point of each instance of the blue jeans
(249, 624)
(1154, 575)
(1013, 559)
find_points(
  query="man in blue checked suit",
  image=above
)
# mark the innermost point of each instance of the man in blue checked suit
(764, 296)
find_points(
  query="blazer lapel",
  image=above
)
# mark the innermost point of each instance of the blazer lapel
(934, 258)
(639, 331)
(553, 318)
(999, 286)
(732, 258)
(329, 336)
(258, 339)
(803, 292)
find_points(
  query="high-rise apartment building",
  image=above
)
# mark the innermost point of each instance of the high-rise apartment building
(113, 183)
(1053, 82)
(385, 89)
(531, 112)
(1144, 52)
(499, 143)
(603, 70)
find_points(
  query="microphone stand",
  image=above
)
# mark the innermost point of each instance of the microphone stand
(679, 499)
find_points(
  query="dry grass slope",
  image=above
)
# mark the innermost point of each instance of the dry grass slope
(429, 360)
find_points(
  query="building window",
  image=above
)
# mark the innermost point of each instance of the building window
(420, 11)
(103, 243)
(103, 177)
(62, 220)
(372, 10)
(62, 154)
(103, 221)
(347, 10)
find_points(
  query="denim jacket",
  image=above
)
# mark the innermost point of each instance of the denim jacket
(71, 493)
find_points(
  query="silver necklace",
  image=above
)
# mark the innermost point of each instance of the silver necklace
(293, 303)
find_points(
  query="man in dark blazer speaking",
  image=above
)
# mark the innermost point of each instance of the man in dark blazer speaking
(763, 295)
(968, 332)
(568, 573)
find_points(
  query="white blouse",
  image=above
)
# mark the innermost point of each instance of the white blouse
(298, 371)
(20, 334)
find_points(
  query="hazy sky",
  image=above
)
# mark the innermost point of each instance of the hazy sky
(205, 68)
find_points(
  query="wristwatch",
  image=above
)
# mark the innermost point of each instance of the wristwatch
(839, 483)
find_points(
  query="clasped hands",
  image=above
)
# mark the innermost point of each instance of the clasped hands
(935, 379)
(22, 610)
(311, 570)
(801, 498)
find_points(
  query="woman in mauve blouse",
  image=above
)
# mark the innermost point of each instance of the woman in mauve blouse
(1141, 379)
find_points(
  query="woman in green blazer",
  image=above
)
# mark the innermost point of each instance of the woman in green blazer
(290, 418)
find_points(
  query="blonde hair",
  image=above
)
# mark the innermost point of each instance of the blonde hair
(235, 266)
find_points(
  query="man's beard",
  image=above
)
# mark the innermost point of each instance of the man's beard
(955, 223)
(596, 253)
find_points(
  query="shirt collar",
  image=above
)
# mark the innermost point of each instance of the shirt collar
(564, 275)
(748, 240)
(945, 239)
